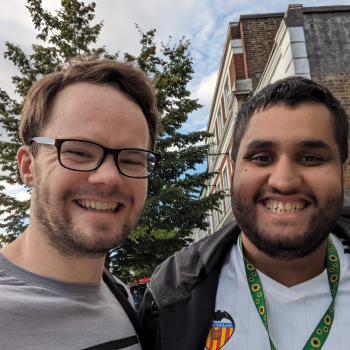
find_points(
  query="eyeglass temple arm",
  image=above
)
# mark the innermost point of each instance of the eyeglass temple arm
(44, 140)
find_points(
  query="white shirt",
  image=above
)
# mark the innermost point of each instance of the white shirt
(292, 313)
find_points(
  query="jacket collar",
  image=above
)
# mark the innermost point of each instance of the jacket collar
(186, 269)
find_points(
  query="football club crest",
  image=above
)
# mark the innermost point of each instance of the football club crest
(221, 330)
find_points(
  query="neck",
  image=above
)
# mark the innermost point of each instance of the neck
(31, 252)
(288, 273)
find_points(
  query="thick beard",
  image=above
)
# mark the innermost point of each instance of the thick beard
(65, 237)
(321, 223)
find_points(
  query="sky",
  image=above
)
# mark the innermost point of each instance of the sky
(204, 22)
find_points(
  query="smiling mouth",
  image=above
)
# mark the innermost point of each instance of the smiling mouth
(106, 207)
(285, 207)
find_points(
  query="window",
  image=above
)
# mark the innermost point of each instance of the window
(195, 235)
(215, 217)
(221, 204)
(227, 93)
(227, 189)
(212, 150)
(219, 119)
(209, 227)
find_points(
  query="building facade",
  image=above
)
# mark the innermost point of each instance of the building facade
(313, 42)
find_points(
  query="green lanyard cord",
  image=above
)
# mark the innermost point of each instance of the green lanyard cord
(320, 334)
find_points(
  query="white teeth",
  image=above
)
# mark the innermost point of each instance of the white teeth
(280, 205)
(97, 205)
(274, 205)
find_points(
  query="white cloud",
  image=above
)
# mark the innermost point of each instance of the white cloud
(205, 89)
(204, 22)
(17, 191)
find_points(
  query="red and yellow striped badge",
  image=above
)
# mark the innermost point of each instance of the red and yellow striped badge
(221, 331)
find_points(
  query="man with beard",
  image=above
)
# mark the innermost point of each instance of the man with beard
(88, 135)
(278, 276)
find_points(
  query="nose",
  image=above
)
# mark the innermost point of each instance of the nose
(107, 173)
(284, 175)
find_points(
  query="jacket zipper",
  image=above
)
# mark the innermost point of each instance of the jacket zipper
(159, 320)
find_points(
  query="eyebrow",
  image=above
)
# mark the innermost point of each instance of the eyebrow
(315, 144)
(318, 144)
(260, 144)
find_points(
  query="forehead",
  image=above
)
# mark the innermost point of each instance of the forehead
(98, 113)
(291, 125)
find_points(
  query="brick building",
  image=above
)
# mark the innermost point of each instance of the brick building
(313, 42)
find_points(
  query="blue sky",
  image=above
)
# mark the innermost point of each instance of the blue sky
(204, 22)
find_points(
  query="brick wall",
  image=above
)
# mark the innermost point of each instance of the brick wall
(339, 85)
(258, 34)
(239, 67)
(235, 32)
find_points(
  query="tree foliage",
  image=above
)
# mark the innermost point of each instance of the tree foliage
(173, 207)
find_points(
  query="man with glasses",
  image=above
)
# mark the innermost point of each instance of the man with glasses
(88, 135)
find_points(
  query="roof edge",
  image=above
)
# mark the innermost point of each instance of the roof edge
(337, 8)
(263, 15)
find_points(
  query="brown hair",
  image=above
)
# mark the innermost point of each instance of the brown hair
(120, 75)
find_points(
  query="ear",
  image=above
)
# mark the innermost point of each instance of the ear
(345, 169)
(26, 165)
(233, 171)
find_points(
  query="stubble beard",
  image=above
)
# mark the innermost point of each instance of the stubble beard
(284, 247)
(63, 234)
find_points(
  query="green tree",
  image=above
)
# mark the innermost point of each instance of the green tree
(65, 35)
(174, 204)
(173, 207)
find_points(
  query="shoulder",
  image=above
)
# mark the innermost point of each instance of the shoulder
(123, 287)
(181, 272)
(114, 283)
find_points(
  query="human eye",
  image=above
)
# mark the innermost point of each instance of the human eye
(132, 159)
(261, 159)
(80, 152)
(129, 161)
(311, 160)
(77, 156)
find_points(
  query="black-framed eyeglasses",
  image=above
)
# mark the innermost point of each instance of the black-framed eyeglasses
(79, 155)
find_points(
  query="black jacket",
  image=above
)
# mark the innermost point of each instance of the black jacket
(178, 306)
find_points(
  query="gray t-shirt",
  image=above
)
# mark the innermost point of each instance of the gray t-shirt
(38, 312)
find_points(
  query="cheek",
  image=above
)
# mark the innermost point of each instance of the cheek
(325, 183)
(139, 190)
(247, 180)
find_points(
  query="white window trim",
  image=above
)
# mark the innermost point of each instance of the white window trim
(227, 198)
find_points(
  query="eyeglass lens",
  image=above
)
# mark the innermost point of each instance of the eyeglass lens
(79, 155)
